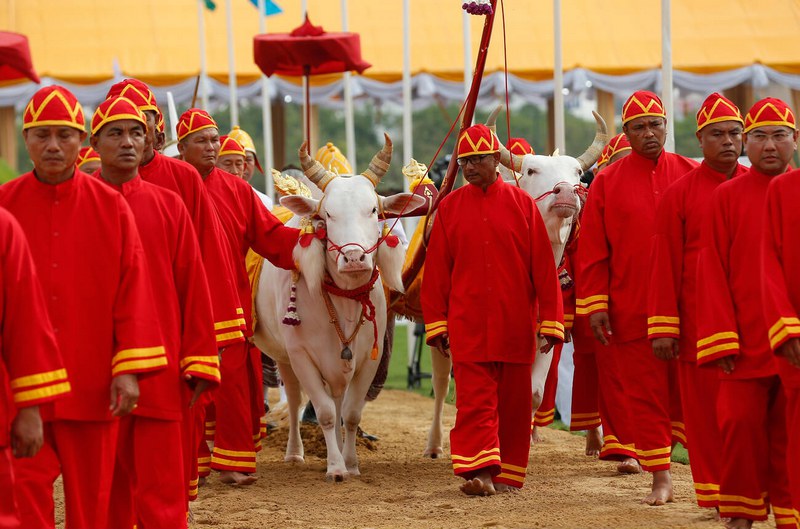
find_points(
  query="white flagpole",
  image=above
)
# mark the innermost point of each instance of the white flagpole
(666, 72)
(201, 32)
(349, 120)
(266, 112)
(232, 86)
(558, 79)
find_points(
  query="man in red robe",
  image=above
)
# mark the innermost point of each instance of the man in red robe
(149, 481)
(31, 369)
(617, 227)
(732, 332)
(247, 225)
(490, 290)
(672, 314)
(781, 287)
(91, 262)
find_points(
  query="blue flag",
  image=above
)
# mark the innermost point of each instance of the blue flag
(210, 5)
(270, 7)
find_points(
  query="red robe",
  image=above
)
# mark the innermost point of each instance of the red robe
(91, 263)
(182, 178)
(94, 275)
(247, 224)
(31, 369)
(751, 403)
(617, 226)
(489, 277)
(672, 313)
(781, 286)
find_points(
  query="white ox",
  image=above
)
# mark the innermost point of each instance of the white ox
(312, 354)
(554, 181)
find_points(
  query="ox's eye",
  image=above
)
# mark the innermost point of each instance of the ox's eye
(375, 210)
(531, 172)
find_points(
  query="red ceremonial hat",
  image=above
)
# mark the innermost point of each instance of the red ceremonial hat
(230, 146)
(769, 111)
(136, 91)
(615, 145)
(519, 146)
(87, 154)
(477, 139)
(717, 108)
(160, 122)
(116, 109)
(193, 120)
(53, 106)
(642, 103)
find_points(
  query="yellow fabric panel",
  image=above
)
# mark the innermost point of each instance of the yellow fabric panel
(157, 41)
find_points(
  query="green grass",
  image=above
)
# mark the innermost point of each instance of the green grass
(398, 379)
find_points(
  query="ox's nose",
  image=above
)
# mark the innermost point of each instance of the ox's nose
(563, 187)
(354, 256)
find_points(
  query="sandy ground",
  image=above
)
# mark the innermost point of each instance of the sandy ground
(401, 489)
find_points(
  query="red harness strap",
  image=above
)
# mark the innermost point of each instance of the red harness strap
(360, 294)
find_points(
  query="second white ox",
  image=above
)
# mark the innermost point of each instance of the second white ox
(340, 301)
(554, 182)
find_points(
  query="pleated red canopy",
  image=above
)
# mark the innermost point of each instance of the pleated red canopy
(15, 58)
(308, 50)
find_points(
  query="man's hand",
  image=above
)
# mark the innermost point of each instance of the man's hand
(200, 386)
(124, 394)
(548, 343)
(567, 335)
(27, 435)
(790, 349)
(727, 364)
(442, 344)
(665, 348)
(601, 326)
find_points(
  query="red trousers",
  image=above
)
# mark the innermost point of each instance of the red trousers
(148, 490)
(257, 396)
(233, 442)
(699, 387)
(585, 389)
(82, 452)
(493, 420)
(651, 388)
(192, 427)
(793, 447)
(546, 413)
(9, 512)
(752, 422)
(617, 417)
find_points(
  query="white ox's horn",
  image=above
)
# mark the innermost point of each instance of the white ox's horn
(507, 158)
(313, 169)
(380, 162)
(588, 158)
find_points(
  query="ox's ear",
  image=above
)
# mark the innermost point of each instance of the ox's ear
(301, 206)
(402, 203)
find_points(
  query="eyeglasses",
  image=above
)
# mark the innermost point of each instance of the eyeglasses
(474, 159)
(776, 137)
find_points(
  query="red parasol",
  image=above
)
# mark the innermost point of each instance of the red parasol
(15, 58)
(308, 50)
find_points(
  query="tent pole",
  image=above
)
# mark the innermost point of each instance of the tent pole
(232, 85)
(410, 224)
(558, 80)
(307, 105)
(266, 113)
(467, 37)
(666, 72)
(349, 120)
(201, 32)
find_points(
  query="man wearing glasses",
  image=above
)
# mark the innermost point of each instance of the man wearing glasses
(733, 333)
(489, 264)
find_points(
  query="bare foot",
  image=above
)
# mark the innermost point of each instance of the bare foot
(536, 437)
(629, 466)
(503, 487)
(201, 481)
(480, 485)
(662, 489)
(594, 442)
(236, 478)
(738, 523)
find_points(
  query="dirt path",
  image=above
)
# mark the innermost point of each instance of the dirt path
(400, 489)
